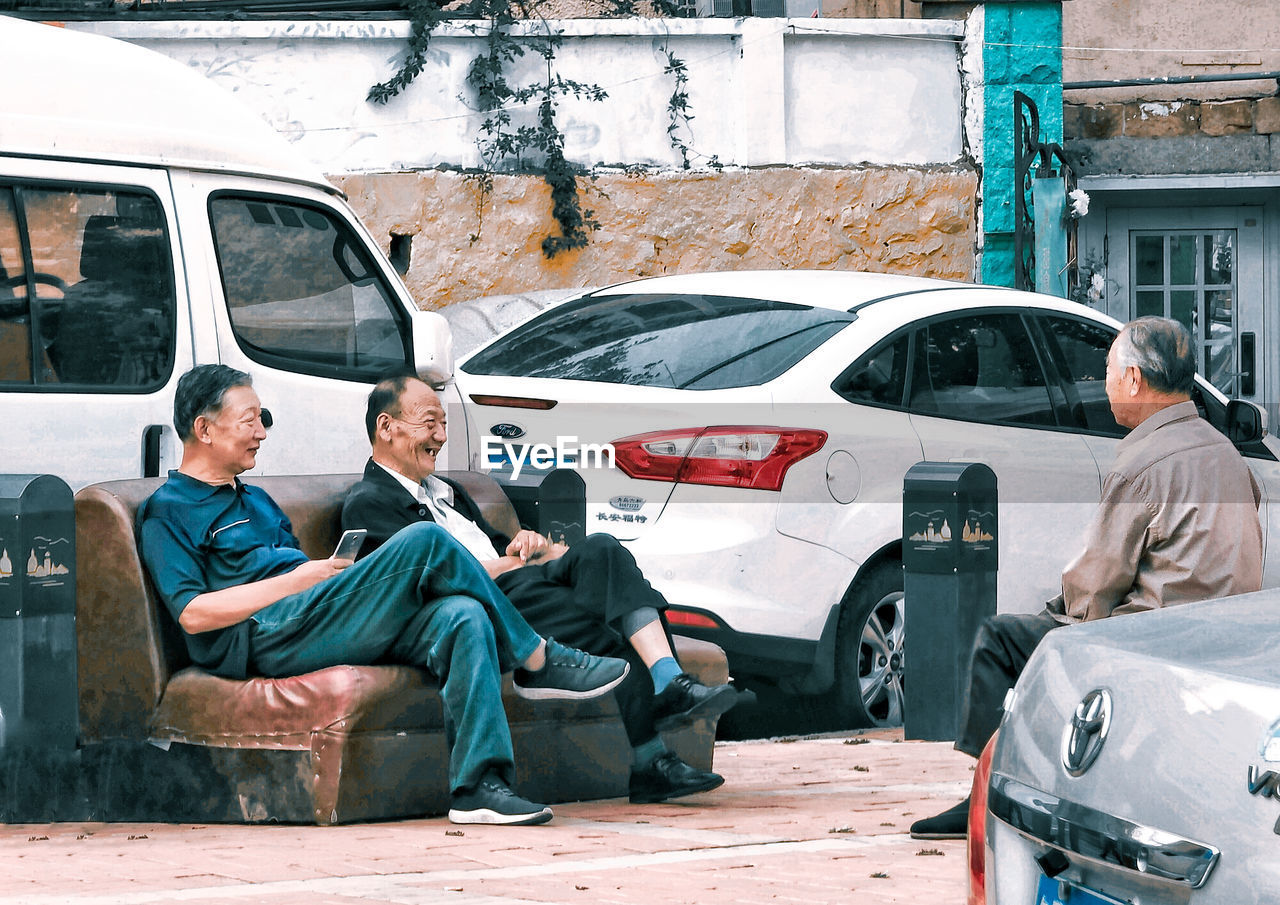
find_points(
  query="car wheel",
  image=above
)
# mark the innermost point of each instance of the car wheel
(870, 649)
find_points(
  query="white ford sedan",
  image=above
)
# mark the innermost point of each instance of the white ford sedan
(1139, 762)
(761, 424)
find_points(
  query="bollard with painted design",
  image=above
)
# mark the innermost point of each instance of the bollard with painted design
(38, 694)
(950, 539)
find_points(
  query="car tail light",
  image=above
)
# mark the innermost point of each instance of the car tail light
(978, 826)
(691, 617)
(725, 455)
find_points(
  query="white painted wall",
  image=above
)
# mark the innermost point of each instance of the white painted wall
(762, 91)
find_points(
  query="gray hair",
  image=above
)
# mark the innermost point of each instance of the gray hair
(1162, 350)
(200, 392)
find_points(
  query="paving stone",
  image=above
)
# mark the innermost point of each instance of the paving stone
(812, 821)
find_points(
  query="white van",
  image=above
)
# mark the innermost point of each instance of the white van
(148, 224)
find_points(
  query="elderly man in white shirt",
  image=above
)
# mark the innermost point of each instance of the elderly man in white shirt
(591, 596)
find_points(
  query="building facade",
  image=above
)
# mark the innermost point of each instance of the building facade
(1171, 120)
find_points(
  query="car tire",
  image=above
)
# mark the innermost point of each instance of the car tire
(870, 649)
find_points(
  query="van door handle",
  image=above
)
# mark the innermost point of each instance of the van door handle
(1248, 361)
(151, 435)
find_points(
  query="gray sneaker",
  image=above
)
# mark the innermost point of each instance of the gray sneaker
(570, 674)
(492, 802)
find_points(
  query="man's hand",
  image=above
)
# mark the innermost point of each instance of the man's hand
(529, 546)
(320, 569)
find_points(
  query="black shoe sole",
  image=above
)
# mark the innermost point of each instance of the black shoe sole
(939, 835)
(715, 782)
(713, 705)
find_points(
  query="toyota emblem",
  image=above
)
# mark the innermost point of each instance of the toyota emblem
(1086, 731)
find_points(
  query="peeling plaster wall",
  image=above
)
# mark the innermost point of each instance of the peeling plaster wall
(1106, 39)
(904, 220)
(762, 91)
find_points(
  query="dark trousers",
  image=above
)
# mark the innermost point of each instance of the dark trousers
(579, 599)
(1000, 651)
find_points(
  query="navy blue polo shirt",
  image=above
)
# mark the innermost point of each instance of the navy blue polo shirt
(199, 537)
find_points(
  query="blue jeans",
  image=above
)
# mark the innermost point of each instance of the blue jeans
(421, 600)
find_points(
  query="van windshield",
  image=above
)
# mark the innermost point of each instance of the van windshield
(693, 342)
(302, 292)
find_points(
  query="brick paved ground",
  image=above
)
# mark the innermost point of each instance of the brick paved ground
(813, 821)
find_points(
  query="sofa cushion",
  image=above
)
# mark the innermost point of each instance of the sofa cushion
(202, 709)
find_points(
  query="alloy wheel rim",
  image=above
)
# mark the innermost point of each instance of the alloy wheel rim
(881, 661)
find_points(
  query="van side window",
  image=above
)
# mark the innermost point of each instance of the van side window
(86, 290)
(15, 320)
(301, 291)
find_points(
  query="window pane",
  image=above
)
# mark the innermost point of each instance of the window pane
(104, 288)
(1148, 260)
(15, 322)
(1082, 348)
(1182, 260)
(1148, 303)
(1182, 308)
(980, 368)
(301, 291)
(1218, 305)
(684, 341)
(1219, 257)
(878, 377)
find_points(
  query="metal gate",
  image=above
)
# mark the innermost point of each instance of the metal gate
(1039, 163)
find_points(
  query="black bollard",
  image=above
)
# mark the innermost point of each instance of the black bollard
(950, 539)
(39, 704)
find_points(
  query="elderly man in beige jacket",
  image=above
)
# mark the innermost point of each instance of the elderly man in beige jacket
(1178, 522)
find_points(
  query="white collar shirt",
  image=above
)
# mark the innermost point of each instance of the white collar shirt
(437, 496)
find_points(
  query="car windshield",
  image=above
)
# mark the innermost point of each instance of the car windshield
(694, 342)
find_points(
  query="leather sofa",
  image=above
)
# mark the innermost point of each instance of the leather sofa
(161, 739)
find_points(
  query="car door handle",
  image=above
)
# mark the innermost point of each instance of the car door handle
(151, 435)
(1248, 361)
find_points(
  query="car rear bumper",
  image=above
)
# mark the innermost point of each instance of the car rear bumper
(1081, 831)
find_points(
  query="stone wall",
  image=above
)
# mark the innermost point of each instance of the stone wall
(1164, 119)
(907, 220)
(1188, 136)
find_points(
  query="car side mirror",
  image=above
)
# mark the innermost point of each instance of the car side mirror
(432, 347)
(1246, 423)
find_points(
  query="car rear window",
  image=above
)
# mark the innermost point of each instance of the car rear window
(693, 342)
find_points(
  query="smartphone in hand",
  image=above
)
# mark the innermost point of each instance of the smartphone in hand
(349, 544)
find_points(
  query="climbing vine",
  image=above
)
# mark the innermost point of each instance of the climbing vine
(537, 144)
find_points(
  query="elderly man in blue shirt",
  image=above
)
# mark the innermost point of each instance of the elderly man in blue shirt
(225, 561)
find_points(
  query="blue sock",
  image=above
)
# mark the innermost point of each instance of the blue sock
(644, 754)
(663, 671)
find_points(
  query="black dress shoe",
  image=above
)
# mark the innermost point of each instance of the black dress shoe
(685, 699)
(670, 777)
(953, 823)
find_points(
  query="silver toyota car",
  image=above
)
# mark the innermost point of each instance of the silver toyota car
(1139, 763)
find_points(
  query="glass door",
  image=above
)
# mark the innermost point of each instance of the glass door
(1190, 276)
(1203, 266)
